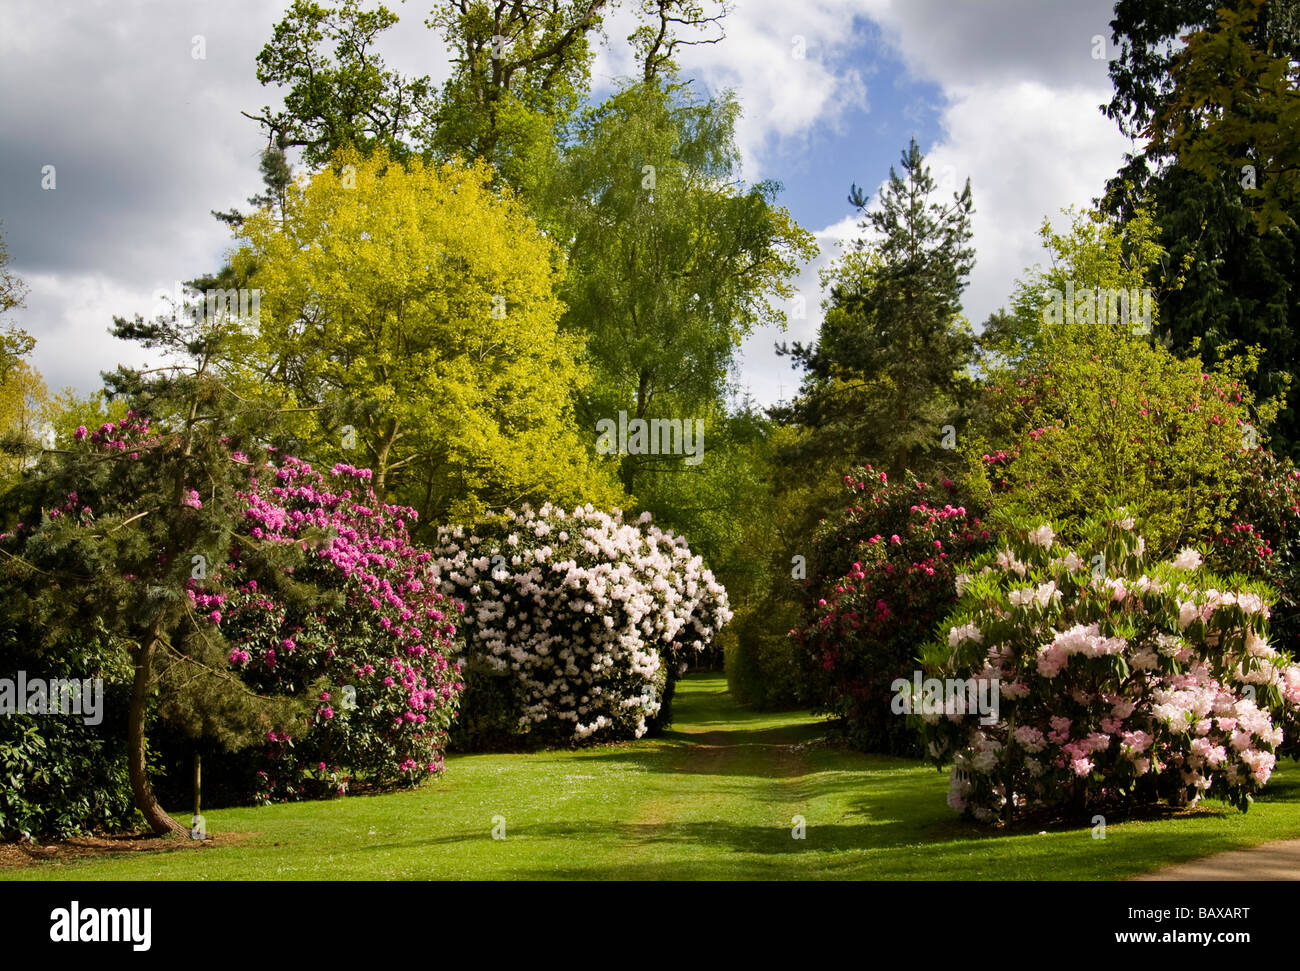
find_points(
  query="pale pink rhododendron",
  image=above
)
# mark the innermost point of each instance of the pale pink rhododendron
(1150, 683)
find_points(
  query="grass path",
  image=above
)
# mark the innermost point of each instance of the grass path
(714, 798)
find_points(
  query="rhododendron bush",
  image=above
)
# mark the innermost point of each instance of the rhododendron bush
(1121, 682)
(881, 577)
(1263, 539)
(1097, 416)
(577, 624)
(373, 650)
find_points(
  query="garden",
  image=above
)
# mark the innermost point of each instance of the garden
(354, 586)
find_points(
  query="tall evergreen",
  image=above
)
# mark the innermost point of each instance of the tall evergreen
(887, 374)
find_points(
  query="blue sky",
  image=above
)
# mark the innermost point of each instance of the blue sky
(146, 139)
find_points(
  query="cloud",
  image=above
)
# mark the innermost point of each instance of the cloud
(1020, 116)
(1000, 41)
(1030, 151)
(75, 345)
(798, 68)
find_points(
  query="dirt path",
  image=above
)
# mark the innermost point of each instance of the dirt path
(1270, 861)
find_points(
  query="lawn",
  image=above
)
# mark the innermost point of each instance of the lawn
(714, 798)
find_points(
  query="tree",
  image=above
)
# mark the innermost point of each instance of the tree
(671, 263)
(412, 312)
(15, 344)
(1095, 256)
(1222, 283)
(102, 536)
(656, 40)
(23, 394)
(1083, 409)
(519, 73)
(887, 373)
(24, 403)
(339, 98)
(1235, 107)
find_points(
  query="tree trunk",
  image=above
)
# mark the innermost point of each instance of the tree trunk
(145, 801)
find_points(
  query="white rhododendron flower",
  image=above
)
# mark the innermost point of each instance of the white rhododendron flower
(1042, 536)
(586, 615)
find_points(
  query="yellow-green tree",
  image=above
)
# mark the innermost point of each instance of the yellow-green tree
(23, 394)
(23, 399)
(412, 312)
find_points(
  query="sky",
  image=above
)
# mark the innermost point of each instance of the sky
(146, 138)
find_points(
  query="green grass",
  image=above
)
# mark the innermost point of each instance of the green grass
(712, 799)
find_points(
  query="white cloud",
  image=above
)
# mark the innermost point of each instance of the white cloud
(792, 66)
(75, 345)
(1020, 117)
(1030, 151)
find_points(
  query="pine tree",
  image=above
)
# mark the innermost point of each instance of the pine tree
(887, 374)
(103, 538)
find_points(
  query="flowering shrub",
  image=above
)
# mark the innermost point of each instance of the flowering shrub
(576, 623)
(882, 576)
(1095, 417)
(1119, 684)
(1263, 539)
(371, 644)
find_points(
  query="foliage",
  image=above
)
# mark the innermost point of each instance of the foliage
(1103, 417)
(882, 574)
(1093, 255)
(343, 96)
(416, 307)
(580, 621)
(1263, 540)
(101, 538)
(357, 628)
(887, 373)
(1080, 408)
(1223, 283)
(722, 505)
(1235, 107)
(671, 265)
(519, 72)
(59, 775)
(24, 407)
(1119, 683)
(760, 659)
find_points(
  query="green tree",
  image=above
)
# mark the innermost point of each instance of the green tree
(1222, 284)
(1086, 411)
(888, 371)
(519, 73)
(15, 344)
(343, 96)
(1235, 106)
(23, 412)
(101, 542)
(23, 394)
(671, 262)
